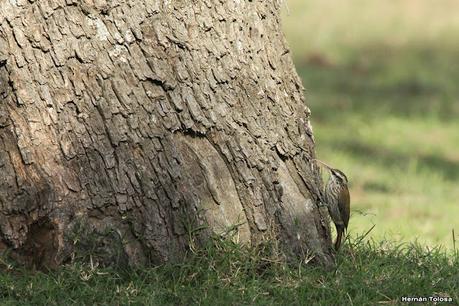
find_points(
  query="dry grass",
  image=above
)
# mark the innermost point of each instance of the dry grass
(328, 25)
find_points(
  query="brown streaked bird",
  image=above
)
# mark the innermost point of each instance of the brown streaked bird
(338, 201)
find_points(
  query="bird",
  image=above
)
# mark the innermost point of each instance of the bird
(338, 201)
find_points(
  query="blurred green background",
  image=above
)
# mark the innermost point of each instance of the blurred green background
(381, 81)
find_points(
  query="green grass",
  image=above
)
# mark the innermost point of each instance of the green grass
(366, 273)
(400, 148)
(381, 81)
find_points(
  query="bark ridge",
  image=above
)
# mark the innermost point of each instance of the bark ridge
(150, 119)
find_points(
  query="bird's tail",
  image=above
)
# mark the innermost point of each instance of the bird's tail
(339, 238)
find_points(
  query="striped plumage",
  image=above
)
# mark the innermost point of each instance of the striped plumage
(337, 199)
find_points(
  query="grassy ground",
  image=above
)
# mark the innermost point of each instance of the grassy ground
(225, 274)
(381, 81)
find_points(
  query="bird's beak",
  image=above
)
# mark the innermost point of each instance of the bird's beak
(324, 164)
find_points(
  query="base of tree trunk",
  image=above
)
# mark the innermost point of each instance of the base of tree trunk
(128, 127)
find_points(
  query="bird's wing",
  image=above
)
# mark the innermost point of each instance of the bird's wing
(344, 204)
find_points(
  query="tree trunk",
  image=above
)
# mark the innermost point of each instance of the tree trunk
(144, 123)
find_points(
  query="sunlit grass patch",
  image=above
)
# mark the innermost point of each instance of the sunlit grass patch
(381, 82)
(402, 160)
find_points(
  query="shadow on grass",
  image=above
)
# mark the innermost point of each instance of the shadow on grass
(365, 152)
(377, 80)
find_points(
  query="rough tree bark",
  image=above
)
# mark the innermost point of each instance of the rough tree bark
(149, 120)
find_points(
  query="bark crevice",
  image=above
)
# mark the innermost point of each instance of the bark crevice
(161, 113)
